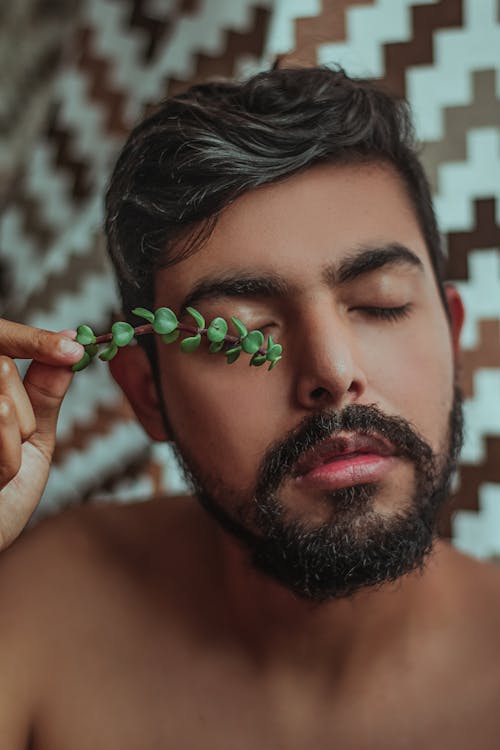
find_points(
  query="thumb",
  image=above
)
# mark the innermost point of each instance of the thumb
(46, 386)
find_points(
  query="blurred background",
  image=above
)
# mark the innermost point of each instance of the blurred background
(75, 75)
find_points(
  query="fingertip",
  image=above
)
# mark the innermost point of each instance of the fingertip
(69, 332)
(68, 348)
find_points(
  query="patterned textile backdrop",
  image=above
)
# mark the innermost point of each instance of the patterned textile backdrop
(76, 75)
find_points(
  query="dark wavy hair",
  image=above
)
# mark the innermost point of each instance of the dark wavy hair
(201, 149)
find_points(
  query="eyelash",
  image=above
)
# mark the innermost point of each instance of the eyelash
(388, 313)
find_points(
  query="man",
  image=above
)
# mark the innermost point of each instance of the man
(301, 597)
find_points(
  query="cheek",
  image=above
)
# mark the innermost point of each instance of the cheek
(220, 413)
(417, 379)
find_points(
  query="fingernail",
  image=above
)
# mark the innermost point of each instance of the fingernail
(70, 333)
(68, 347)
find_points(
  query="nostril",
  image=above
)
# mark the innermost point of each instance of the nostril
(318, 393)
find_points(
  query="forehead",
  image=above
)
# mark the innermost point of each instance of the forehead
(293, 227)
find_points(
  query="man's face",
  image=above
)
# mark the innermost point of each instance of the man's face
(342, 247)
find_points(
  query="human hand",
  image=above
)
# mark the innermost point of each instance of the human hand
(29, 410)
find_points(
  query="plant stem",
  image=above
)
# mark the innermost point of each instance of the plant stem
(148, 328)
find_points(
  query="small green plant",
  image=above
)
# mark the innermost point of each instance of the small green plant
(164, 322)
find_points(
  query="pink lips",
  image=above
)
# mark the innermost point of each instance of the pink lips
(345, 461)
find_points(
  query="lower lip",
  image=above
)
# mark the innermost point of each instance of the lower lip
(345, 472)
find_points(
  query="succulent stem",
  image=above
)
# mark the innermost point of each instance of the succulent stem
(148, 328)
(165, 323)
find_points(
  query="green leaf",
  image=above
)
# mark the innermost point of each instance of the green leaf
(240, 327)
(109, 352)
(270, 342)
(273, 352)
(191, 343)
(123, 333)
(141, 312)
(165, 320)
(274, 363)
(258, 360)
(168, 338)
(82, 363)
(216, 346)
(252, 342)
(85, 335)
(200, 320)
(233, 354)
(217, 330)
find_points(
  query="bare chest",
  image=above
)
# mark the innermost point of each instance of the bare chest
(140, 675)
(142, 698)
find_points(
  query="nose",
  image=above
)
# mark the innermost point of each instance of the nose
(328, 371)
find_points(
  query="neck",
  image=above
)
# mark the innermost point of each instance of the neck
(274, 625)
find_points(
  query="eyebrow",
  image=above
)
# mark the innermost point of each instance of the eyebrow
(246, 283)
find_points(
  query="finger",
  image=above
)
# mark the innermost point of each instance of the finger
(46, 387)
(10, 442)
(25, 342)
(11, 386)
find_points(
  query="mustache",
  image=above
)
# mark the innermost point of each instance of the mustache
(281, 457)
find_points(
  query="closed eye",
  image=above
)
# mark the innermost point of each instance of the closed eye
(387, 313)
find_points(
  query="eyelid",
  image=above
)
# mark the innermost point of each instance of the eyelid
(258, 327)
(388, 313)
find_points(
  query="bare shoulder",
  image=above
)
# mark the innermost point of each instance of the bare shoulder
(478, 579)
(32, 583)
(49, 564)
(62, 543)
(470, 589)
(470, 584)
(62, 550)
(89, 563)
(67, 578)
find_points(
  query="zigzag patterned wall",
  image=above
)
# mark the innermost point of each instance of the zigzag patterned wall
(122, 56)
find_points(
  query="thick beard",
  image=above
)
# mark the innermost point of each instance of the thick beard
(358, 547)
